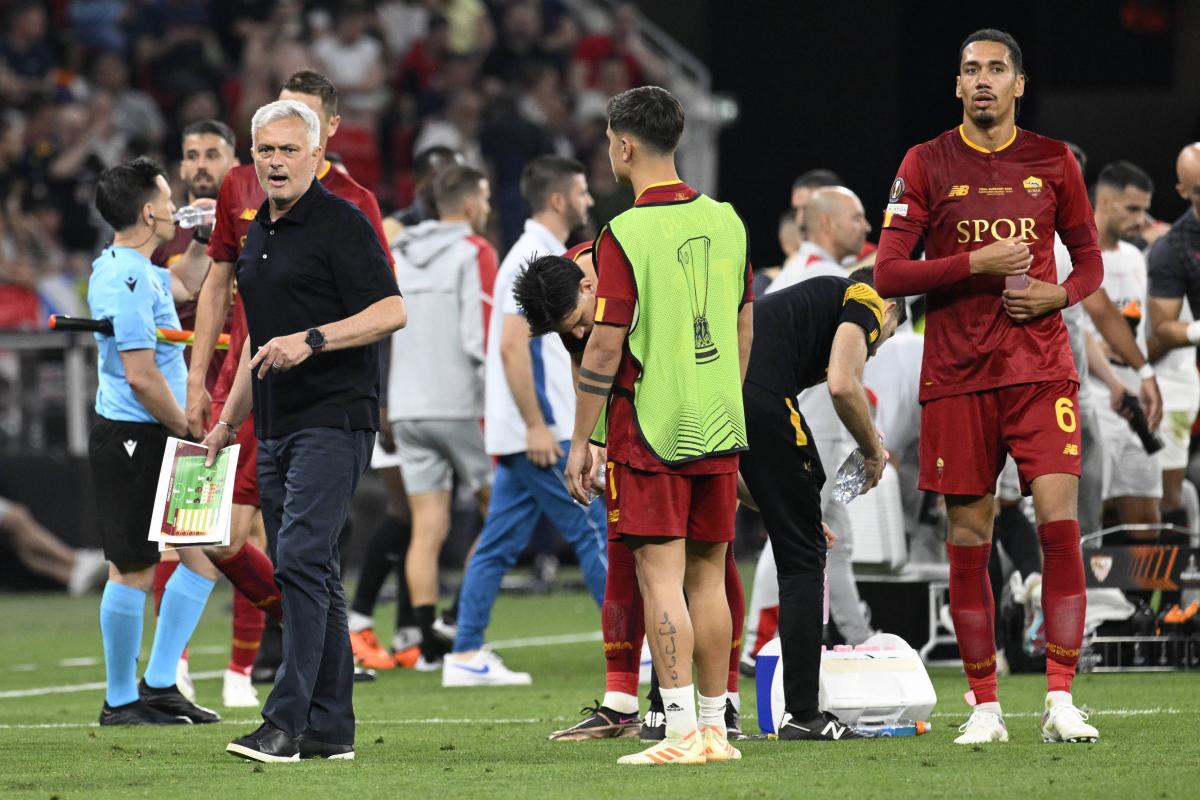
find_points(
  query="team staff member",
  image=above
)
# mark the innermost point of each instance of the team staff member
(237, 204)
(820, 329)
(138, 405)
(319, 292)
(987, 199)
(674, 444)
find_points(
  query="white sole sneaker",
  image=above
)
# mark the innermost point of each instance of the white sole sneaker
(238, 691)
(983, 727)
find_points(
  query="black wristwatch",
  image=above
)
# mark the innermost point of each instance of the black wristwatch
(315, 339)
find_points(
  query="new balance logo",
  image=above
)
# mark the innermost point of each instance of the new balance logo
(674, 707)
(833, 730)
(1071, 449)
(130, 446)
(959, 190)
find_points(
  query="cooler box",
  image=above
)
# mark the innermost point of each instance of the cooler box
(879, 681)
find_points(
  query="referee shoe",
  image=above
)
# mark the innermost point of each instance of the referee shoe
(170, 700)
(138, 713)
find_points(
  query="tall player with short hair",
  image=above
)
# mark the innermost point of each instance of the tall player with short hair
(240, 197)
(986, 199)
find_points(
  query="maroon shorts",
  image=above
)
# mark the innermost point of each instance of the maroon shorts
(965, 437)
(699, 507)
(245, 484)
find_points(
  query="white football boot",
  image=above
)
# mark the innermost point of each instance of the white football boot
(1063, 722)
(982, 727)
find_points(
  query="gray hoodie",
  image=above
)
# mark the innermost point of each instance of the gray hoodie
(437, 359)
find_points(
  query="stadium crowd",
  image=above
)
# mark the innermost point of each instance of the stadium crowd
(480, 130)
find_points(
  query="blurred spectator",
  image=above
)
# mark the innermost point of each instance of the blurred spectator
(272, 50)
(623, 41)
(457, 128)
(612, 78)
(175, 49)
(403, 23)
(419, 70)
(135, 113)
(99, 24)
(470, 29)
(611, 197)
(20, 308)
(353, 60)
(40, 551)
(519, 42)
(27, 59)
(426, 167)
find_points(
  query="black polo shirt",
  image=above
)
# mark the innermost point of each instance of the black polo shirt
(1174, 262)
(319, 263)
(794, 330)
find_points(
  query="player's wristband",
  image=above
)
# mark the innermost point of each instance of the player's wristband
(1146, 372)
(1193, 332)
(198, 237)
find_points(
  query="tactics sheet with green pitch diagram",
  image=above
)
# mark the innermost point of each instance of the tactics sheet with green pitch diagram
(194, 503)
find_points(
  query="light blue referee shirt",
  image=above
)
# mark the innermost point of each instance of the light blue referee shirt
(136, 296)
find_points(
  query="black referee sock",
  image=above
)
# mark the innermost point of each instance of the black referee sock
(432, 647)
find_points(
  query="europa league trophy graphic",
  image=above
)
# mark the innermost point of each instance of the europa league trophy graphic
(693, 257)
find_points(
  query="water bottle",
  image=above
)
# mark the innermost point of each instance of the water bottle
(194, 217)
(851, 477)
(901, 728)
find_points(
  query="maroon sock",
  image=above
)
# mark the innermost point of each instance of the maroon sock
(1064, 601)
(974, 613)
(248, 624)
(623, 621)
(736, 596)
(251, 573)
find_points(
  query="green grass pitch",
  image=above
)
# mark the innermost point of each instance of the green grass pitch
(416, 740)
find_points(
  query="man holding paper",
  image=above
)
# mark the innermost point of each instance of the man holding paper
(138, 405)
(319, 293)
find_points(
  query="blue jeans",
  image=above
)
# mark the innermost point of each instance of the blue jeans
(306, 480)
(521, 491)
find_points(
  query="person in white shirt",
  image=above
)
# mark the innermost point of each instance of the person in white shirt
(1132, 477)
(528, 420)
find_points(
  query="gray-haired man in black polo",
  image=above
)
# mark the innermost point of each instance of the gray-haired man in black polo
(319, 293)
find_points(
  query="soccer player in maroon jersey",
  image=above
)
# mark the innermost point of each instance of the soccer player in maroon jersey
(985, 199)
(237, 205)
(209, 152)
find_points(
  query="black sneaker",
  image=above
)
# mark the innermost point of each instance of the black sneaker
(823, 727)
(267, 744)
(654, 726)
(138, 713)
(171, 701)
(733, 721)
(312, 748)
(362, 675)
(599, 722)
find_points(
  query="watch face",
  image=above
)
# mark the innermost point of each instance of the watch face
(315, 339)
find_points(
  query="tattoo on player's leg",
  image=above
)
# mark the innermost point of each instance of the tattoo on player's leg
(668, 630)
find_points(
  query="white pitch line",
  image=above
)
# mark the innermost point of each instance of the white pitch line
(507, 644)
(1098, 712)
(258, 721)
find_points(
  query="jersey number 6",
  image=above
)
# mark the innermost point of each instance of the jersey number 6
(1064, 410)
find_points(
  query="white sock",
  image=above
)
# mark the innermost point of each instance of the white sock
(712, 711)
(360, 622)
(1059, 698)
(620, 702)
(679, 706)
(736, 699)
(406, 638)
(994, 708)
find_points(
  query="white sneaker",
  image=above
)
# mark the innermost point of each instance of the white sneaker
(238, 692)
(1063, 722)
(982, 727)
(89, 572)
(183, 681)
(484, 669)
(424, 665)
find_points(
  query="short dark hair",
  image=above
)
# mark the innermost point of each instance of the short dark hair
(546, 291)
(214, 127)
(993, 35)
(122, 190)
(308, 81)
(1120, 174)
(454, 184)
(1080, 156)
(431, 159)
(817, 177)
(545, 175)
(867, 275)
(650, 113)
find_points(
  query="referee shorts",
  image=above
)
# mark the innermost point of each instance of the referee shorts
(125, 459)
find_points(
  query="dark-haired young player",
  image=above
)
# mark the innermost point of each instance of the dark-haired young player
(985, 199)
